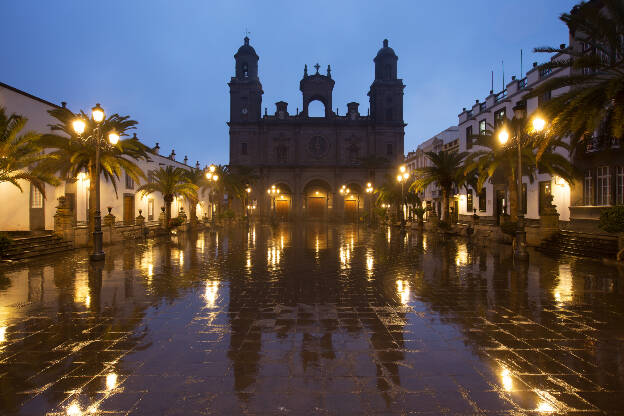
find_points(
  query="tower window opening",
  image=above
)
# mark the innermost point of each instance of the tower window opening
(245, 70)
(316, 108)
(388, 72)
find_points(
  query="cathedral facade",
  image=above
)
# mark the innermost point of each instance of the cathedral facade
(316, 167)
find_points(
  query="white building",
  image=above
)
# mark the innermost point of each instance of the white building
(491, 202)
(448, 140)
(29, 210)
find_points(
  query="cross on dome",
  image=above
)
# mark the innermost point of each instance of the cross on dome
(317, 66)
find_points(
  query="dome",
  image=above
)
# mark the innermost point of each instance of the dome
(246, 49)
(386, 50)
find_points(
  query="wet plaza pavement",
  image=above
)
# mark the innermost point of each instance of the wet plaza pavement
(311, 319)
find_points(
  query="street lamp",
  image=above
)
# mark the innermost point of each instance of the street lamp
(402, 177)
(369, 191)
(248, 190)
(211, 176)
(538, 124)
(273, 191)
(97, 136)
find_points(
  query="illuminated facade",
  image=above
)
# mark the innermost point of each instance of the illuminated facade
(308, 157)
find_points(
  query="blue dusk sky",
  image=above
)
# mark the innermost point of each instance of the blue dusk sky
(167, 63)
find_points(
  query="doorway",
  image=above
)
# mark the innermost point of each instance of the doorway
(316, 207)
(128, 209)
(351, 210)
(500, 205)
(282, 207)
(37, 214)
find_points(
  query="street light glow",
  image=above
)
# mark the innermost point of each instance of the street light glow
(538, 123)
(400, 178)
(113, 137)
(402, 168)
(503, 136)
(79, 126)
(212, 168)
(97, 113)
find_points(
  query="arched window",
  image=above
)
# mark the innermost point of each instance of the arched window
(388, 72)
(316, 108)
(245, 70)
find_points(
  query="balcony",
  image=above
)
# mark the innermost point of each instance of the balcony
(501, 95)
(522, 83)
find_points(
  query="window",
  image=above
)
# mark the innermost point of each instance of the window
(243, 148)
(36, 200)
(129, 182)
(469, 205)
(389, 149)
(544, 98)
(483, 200)
(603, 186)
(499, 117)
(469, 137)
(281, 153)
(388, 72)
(619, 185)
(245, 70)
(588, 188)
(482, 127)
(150, 209)
(150, 176)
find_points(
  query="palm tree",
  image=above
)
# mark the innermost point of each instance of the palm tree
(170, 182)
(595, 99)
(20, 153)
(233, 181)
(446, 172)
(501, 161)
(71, 154)
(198, 178)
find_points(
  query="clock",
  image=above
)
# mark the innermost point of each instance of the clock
(244, 110)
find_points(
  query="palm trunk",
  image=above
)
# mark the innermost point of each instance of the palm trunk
(513, 198)
(168, 200)
(193, 211)
(445, 205)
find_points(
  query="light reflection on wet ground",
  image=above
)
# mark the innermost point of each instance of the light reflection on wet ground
(313, 319)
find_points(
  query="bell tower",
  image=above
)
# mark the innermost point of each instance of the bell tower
(386, 91)
(245, 88)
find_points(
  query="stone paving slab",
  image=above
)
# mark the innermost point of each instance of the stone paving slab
(311, 319)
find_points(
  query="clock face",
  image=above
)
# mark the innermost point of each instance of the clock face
(244, 110)
(318, 147)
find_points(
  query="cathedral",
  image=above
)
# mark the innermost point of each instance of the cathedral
(316, 167)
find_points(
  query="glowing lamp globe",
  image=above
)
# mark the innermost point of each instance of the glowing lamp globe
(79, 126)
(503, 136)
(97, 113)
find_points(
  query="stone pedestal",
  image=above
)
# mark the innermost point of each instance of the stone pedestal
(109, 219)
(140, 219)
(162, 218)
(64, 220)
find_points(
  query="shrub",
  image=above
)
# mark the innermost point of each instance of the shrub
(5, 244)
(612, 219)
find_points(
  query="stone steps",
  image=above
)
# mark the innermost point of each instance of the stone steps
(36, 245)
(580, 245)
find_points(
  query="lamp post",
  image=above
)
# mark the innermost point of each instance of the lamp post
(248, 191)
(97, 136)
(402, 177)
(211, 176)
(517, 122)
(273, 191)
(369, 191)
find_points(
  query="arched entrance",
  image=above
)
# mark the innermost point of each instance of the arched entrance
(317, 199)
(281, 202)
(352, 195)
